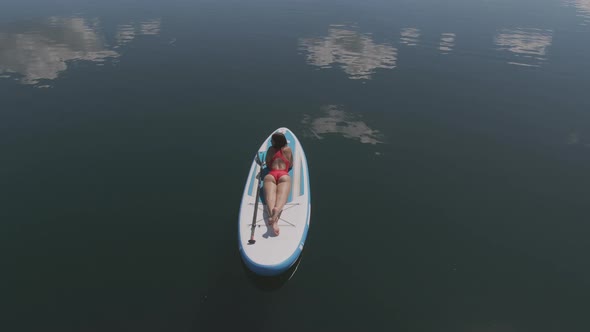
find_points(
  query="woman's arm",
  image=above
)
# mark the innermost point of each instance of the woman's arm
(289, 154)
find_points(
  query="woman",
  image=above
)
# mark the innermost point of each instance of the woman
(277, 183)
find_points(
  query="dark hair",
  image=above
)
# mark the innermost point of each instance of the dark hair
(278, 140)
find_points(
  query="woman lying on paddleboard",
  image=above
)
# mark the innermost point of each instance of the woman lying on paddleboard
(277, 183)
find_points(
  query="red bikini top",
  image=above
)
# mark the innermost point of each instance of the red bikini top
(279, 154)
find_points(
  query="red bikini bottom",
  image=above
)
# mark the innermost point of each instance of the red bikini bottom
(277, 173)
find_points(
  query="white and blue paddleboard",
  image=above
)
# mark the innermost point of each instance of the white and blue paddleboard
(264, 253)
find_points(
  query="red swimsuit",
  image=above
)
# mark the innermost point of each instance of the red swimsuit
(277, 173)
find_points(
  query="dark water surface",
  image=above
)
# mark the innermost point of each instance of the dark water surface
(448, 145)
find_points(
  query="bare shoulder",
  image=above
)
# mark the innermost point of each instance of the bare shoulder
(288, 153)
(288, 150)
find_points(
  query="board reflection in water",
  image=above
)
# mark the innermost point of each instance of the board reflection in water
(274, 282)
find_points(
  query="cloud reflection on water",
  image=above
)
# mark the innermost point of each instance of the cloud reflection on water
(409, 36)
(125, 34)
(151, 27)
(528, 47)
(336, 121)
(128, 32)
(40, 50)
(582, 8)
(447, 42)
(356, 53)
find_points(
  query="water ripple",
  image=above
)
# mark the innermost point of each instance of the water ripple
(409, 36)
(357, 54)
(526, 47)
(151, 27)
(335, 121)
(40, 50)
(125, 34)
(447, 42)
(582, 8)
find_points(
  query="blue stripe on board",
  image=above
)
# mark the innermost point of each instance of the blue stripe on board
(301, 186)
(252, 181)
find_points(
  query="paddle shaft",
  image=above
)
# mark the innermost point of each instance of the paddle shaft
(252, 241)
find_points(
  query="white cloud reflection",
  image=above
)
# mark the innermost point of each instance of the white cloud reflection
(447, 42)
(41, 50)
(336, 121)
(528, 47)
(357, 54)
(151, 27)
(409, 36)
(128, 32)
(582, 7)
(125, 34)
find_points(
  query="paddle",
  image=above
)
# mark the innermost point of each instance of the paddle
(259, 176)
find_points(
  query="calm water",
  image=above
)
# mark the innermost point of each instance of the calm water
(448, 142)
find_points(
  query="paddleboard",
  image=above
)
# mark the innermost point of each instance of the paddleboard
(262, 252)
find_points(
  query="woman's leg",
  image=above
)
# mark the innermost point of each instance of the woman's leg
(283, 188)
(270, 194)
